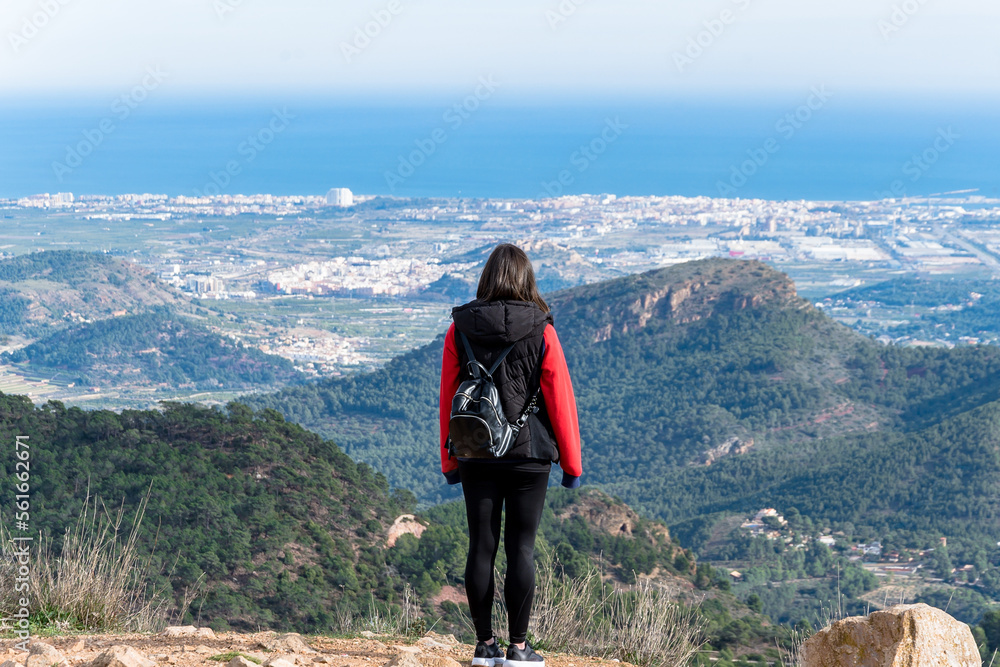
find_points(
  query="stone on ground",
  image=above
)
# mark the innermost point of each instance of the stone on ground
(411, 658)
(291, 642)
(437, 661)
(906, 635)
(121, 656)
(41, 654)
(188, 631)
(448, 639)
(240, 661)
(404, 659)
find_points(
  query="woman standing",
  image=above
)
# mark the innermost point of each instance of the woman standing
(508, 310)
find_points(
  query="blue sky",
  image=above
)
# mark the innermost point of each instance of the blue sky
(557, 47)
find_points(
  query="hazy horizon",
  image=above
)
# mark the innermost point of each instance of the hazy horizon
(557, 47)
(104, 96)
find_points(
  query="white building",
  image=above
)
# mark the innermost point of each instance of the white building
(339, 197)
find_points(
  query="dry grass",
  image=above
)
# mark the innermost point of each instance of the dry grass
(791, 651)
(563, 606)
(644, 625)
(383, 619)
(96, 582)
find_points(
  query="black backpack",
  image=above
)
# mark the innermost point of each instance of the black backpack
(478, 426)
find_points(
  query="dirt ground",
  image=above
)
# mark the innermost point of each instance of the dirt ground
(195, 651)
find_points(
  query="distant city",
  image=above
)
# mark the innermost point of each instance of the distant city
(407, 261)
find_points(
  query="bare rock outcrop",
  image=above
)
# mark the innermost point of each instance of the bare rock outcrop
(405, 524)
(732, 446)
(906, 635)
(610, 516)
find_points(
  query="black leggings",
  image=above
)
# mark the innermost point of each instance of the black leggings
(488, 486)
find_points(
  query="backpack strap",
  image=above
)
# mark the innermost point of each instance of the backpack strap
(475, 367)
(496, 364)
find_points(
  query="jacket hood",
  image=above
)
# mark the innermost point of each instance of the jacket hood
(500, 322)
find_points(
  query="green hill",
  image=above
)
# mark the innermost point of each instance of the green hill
(286, 530)
(156, 348)
(43, 291)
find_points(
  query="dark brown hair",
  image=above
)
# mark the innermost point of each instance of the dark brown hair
(508, 275)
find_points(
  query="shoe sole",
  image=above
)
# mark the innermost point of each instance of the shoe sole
(487, 662)
(524, 663)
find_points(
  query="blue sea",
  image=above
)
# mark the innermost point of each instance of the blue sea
(801, 146)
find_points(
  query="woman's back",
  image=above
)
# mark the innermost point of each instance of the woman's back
(509, 313)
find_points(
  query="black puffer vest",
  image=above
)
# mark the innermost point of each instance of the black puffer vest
(491, 326)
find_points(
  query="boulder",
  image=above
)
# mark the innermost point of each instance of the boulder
(78, 645)
(278, 661)
(10, 663)
(906, 635)
(121, 656)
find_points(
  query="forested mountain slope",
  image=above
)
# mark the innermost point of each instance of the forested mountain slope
(678, 367)
(43, 291)
(267, 524)
(157, 348)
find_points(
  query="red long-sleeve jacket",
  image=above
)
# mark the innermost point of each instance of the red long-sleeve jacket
(557, 391)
